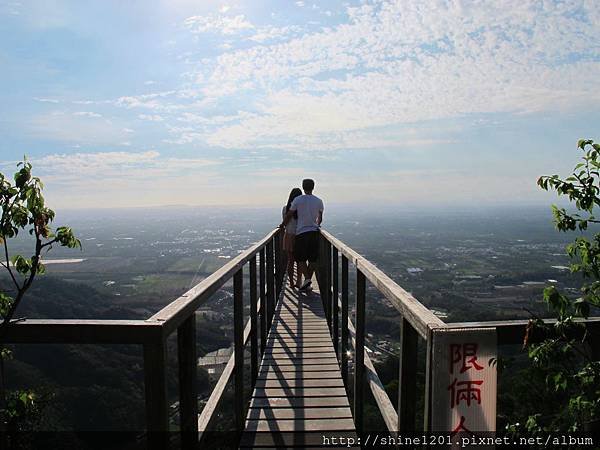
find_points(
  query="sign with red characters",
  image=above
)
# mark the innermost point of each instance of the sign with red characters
(463, 390)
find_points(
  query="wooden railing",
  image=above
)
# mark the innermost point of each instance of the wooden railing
(179, 316)
(417, 323)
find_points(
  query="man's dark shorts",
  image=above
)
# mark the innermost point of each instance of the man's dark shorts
(306, 246)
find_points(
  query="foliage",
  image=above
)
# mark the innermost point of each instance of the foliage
(560, 352)
(23, 208)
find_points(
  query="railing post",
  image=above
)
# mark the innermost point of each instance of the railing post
(335, 300)
(278, 260)
(238, 340)
(328, 284)
(155, 385)
(359, 351)
(253, 322)
(270, 284)
(407, 383)
(324, 282)
(344, 325)
(428, 369)
(188, 395)
(263, 302)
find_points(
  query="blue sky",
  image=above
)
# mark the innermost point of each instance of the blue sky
(428, 103)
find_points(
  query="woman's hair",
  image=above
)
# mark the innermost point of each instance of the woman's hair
(296, 192)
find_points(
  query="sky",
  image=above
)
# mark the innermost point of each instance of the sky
(413, 103)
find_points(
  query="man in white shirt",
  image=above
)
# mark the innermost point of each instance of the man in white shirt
(310, 215)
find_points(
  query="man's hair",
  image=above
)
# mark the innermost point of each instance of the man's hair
(308, 184)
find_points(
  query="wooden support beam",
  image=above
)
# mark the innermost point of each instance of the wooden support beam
(82, 331)
(344, 324)
(335, 300)
(270, 284)
(188, 395)
(328, 296)
(155, 385)
(263, 301)
(238, 342)
(253, 322)
(359, 351)
(407, 384)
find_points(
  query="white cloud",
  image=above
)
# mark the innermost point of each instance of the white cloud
(111, 165)
(394, 63)
(151, 117)
(46, 100)
(270, 33)
(123, 178)
(87, 114)
(218, 23)
(75, 128)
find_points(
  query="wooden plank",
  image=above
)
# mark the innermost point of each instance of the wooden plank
(511, 332)
(299, 392)
(298, 413)
(81, 331)
(276, 375)
(299, 375)
(180, 309)
(287, 383)
(298, 369)
(290, 340)
(301, 353)
(289, 425)
(277, 336)
(303, 337)
(299, 345)
(300, 361)
(296, 402)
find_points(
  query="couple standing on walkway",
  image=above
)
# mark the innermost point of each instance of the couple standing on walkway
(302, 217)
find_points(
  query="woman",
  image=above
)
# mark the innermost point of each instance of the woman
(290, 236)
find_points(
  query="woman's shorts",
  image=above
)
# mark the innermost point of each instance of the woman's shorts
(288, 242)
(307, 246)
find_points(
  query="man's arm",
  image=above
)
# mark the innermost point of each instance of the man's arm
(320, 218)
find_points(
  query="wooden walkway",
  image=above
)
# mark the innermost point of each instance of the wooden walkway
(299, 387)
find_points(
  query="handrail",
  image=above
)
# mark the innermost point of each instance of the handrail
(81, 331)
(179, 309)
(421, 318)
(178, 316)
(215, 396)
(417, 321)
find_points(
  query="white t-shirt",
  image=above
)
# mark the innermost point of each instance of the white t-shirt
(308, 207)
(290, 228)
